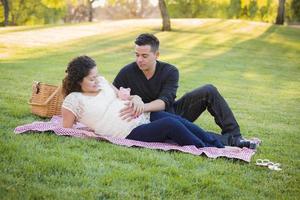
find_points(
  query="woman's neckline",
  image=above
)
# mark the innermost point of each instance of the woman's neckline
(93, 94)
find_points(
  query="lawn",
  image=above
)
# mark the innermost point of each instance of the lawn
(255, 66)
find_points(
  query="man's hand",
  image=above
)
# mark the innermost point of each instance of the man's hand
(134, 108)
(138, 105)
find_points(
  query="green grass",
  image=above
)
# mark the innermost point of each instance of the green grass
(255, 66)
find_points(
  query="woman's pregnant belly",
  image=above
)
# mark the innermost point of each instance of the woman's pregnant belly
(112, 123)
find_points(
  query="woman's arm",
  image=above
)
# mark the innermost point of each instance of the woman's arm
(68, 118)
(115, 89)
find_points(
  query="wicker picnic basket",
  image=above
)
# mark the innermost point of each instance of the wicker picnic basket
(46, 99)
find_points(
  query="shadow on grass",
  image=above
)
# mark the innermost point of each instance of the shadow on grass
(199, 53)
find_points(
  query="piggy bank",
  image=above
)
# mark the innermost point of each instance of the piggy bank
(124, 93)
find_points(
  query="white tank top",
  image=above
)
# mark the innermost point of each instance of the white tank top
(101, 112)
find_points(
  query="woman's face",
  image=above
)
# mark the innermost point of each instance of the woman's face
(89, 83)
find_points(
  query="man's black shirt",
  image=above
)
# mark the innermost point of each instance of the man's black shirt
(162, 85)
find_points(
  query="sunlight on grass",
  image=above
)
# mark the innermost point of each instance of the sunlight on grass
(213, 52)
(290, 90)
(255, 66)
(256, 77)
(207, 34)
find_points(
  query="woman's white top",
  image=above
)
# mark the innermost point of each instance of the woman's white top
(101, 112)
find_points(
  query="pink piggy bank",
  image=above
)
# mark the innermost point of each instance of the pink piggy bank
(124, 93)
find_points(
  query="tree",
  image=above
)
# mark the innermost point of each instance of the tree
(79, 11)
(90, 7)
(234, 9)
(6, 11)
(127, 9)
(296, 10)
(280, 12)
(30, 12)
(165, 16)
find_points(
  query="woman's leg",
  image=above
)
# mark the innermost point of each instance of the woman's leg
(208, 138)
(164, 129)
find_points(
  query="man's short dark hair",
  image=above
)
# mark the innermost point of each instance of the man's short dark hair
(148, 39)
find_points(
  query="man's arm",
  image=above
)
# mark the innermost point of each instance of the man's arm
(164, 101)
(135, 107)
(169, 88)
(166, 96)
(156, 105)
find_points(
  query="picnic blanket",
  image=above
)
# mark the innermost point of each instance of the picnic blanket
(81, 131)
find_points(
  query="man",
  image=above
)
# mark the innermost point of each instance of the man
(156, 83)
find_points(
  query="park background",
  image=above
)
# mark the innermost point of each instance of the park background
(32, 12)
(249, 49)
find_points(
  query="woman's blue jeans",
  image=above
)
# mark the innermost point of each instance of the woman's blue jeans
(166, 126)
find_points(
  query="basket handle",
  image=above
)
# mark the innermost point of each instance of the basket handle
(47, 101)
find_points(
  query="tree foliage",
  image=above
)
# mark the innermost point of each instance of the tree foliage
(24, 12)
(5, 5)
(260, 10)
(120, 9)
(295, 10)
(29, 12)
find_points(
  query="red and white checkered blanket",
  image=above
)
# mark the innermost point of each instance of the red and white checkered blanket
(81, 131)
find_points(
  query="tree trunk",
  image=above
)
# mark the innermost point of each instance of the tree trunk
(280, 12)
(165, 16)
(6, 11)
(90, 2)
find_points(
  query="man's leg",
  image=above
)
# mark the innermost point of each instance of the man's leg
(209, 138)
(194, 103)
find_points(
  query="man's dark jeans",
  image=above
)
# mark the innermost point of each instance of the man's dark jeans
(194, 103)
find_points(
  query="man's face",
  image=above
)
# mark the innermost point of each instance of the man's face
(145, 58)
